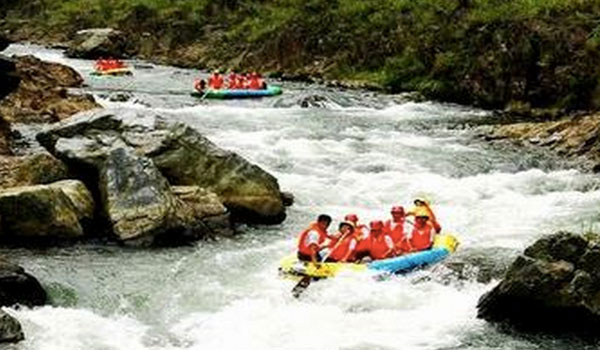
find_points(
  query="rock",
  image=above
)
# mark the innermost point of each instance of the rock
(10, 329)
(8, 76)
(35, 169)
(554, 287)
(19, 287)
(42, 96)
(4, 42)
(136, 199)
(45, 212)
(314, 101)
(99, 42)
(120, 97)
(182, 155)
(287, 198)
(574, 137)
(206, 207)
(188, 158)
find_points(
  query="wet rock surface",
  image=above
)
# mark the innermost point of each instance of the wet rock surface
(554, 286)
(183, 156)
(43, 95)
(100, 42)
(572, 137)
(59, 210)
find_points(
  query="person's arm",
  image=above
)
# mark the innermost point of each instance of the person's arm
(433, 219)
(390, 244)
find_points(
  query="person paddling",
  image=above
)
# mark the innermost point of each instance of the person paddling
(312, 239)
(361, 233)
(343, 248)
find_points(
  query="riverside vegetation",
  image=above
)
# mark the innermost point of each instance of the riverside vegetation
(489, 53)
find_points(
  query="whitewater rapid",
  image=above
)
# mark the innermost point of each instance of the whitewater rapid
(361, 153)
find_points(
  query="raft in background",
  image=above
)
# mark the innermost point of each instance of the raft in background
(112, 72)
(223, 94)
(443, 246)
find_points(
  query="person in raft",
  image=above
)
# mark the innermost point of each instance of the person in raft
(382, 245)
(342, 246)
(200, 85)
(425, 228)
(313, 239)
(395, 229)
(216, 81)
(361, 233)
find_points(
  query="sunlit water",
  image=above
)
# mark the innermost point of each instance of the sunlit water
(360, 152)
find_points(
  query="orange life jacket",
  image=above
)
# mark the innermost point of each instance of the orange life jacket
(255, 83)
(422, 238)
(340, 249)
(363, 242)
(396, 231)
(304, 242)
(380, 246)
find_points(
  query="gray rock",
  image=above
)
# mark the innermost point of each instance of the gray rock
(182, 155)
(57, 210)
(100, 42)
(554, 287)
(10, 329)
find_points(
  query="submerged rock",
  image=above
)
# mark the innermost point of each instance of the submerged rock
(99, 42)
(42, 212)
(10, 329)
(553, 287)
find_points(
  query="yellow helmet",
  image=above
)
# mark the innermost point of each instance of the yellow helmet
(421, 212)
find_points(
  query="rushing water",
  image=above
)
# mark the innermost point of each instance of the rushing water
(359, 152)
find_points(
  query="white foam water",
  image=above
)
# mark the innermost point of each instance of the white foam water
(227, 295)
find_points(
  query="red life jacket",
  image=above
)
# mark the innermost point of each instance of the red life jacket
(304, 242)
(422, 239)
(380, 245)
(396, 231)
(363, 242)
(348, 244)
(254, 83)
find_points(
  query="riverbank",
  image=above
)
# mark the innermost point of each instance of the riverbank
(540, 54)
(575, 137)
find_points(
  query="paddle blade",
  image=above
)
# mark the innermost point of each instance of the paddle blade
(301, 286)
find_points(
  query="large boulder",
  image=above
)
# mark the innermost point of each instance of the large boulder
(100, 42)
(553, 287)
(136, 200)
(42, 95)
(34, 169)
(183, 156)
(45, 212)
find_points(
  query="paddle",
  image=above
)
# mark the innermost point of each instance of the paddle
(305, 281)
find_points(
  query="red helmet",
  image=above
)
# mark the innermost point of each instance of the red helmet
(351, 217)
(376, 225)
(398, 209)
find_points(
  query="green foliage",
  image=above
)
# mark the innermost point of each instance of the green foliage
(487, 52)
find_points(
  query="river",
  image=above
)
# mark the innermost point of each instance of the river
(359, 152)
